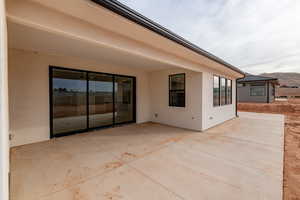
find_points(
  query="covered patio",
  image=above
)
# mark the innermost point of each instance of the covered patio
(68, 73)
(240, 159)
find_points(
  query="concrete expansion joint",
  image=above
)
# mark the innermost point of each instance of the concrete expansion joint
(154, 181)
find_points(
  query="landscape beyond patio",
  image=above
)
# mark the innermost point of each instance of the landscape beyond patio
(240, 159)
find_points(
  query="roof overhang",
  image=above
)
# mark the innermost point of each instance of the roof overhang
(136, 17)
(87, 23)
(274, 81)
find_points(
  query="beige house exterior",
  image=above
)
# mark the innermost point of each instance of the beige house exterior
(287, 92)
(84, 35)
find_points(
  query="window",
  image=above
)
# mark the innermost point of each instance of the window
(216, 91)
(223, 91)
(229, 92)
(177, 90)
(257, 90)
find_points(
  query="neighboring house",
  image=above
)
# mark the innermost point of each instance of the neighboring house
(78, 65)
(256, 89)
(288, 92)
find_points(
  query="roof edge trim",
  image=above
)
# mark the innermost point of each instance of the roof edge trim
(241, 81)
(136, 17)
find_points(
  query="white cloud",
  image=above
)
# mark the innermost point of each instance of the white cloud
(256, 36)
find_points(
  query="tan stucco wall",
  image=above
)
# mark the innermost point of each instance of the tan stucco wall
(29, 95)
(199, 113)
(186, 117)
(29, 91)
(211, 115)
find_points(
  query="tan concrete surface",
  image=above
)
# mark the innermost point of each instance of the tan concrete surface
(240, 159)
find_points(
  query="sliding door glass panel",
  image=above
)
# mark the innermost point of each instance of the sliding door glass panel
(100, 100)
(68, 101)
(124, 105)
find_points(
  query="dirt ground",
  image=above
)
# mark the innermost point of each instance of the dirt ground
(291, 110)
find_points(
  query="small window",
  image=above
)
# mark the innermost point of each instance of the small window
(216, 91)
(257, 90)
(177, 90)
(223, 91)
(229, 92)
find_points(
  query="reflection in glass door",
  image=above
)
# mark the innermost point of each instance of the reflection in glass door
(82, 100)
(124, 101)
(68, 101)
(100, 100)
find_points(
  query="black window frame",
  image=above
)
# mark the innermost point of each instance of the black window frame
(177, 90)
(228, 103)
(219, 91)
(87, 129)
(223, 103)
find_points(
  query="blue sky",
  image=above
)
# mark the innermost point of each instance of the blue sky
(255, 35)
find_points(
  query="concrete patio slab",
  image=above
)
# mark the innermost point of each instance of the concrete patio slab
(240, 159)
(122, 183)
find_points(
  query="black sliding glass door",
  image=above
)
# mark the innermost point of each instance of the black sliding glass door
(68, 101)
(124, 99)
(100, 100)
(82, 100)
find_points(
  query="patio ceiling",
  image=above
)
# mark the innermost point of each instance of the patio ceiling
(32, 39)
(83, 28)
